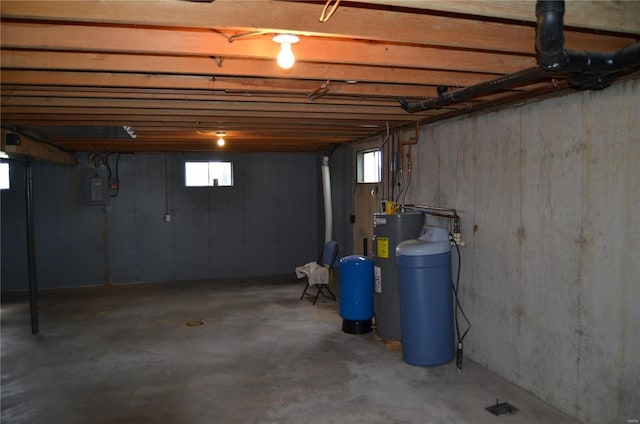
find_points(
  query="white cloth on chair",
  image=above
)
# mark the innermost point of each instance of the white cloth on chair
(317, 274)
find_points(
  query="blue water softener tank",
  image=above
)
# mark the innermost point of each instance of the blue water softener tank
(426, 298)
(356, 294)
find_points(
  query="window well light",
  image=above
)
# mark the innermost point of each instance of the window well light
(286, 59)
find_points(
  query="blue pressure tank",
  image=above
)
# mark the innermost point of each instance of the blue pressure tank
(356, 294)
(426, 298)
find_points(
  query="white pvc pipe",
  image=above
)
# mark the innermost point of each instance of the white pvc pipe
(326, 189)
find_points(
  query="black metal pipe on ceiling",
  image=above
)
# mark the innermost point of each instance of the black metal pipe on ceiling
(587, 70)
(554, 57)
(473, 91)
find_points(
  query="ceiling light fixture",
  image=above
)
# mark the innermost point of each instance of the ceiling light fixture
(286, 59)
(221, 135)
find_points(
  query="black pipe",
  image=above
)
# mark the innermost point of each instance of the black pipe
(473, 91)
(550, 41)
(31, 248)
(592, 70)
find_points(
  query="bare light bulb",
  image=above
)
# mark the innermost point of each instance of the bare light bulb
(286, 59)
(221, 135)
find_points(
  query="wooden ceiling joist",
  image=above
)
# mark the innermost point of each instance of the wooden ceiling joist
(173, 68)
(66, 61)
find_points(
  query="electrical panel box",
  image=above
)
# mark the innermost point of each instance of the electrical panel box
(97, 190)
(95, 186)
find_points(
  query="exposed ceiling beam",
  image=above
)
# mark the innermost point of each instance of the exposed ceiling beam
(212, 115)
(608, 15)
(64, 61)
(209, 44)
(15, 94)
(194, 121)
(124, 145)
(302, 18)
(14, 79)
(37, 150)
(172, 70)
(212, 105)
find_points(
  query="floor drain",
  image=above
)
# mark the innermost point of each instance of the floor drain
(194, 323)
(501, 408)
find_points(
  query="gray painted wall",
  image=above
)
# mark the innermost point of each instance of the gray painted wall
(342, 165)
(266, 224)
(549, 195)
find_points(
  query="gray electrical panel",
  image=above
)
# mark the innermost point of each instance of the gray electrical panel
(95, 186)
(388, 232)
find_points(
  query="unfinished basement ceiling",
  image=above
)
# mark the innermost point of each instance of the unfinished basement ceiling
(178, 71)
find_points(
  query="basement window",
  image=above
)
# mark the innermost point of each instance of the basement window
(4, 176)
(208, 174)
(369, 166)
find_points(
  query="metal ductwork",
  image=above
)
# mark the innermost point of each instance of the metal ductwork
(587, 70)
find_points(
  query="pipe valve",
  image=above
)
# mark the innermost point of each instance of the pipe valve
(457, 234)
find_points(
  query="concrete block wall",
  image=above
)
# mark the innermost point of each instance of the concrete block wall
(549, 196)
(266, 224)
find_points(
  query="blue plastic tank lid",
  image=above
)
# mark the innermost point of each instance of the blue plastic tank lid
(422, 248)
(355, 258)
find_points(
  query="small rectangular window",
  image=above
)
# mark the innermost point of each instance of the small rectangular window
(208, 174)
(369, 166)
(4, 176)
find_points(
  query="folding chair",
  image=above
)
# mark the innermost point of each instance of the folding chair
(320, 273)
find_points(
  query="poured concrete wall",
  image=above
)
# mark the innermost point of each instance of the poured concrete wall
(266, 224)
(549, 196)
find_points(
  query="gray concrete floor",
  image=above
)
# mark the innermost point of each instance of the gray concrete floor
(124, 354)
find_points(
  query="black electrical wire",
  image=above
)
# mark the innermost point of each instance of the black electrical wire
(106, 161)
(403, 185)
(456, 319)
(117, 176)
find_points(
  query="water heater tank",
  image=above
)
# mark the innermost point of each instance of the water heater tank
(389, 231)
